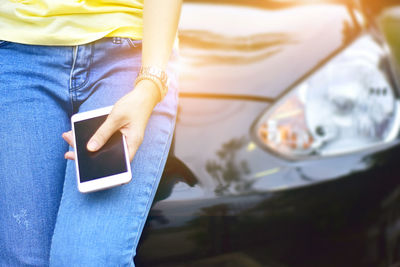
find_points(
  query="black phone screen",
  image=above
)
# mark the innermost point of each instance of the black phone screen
(109, 160)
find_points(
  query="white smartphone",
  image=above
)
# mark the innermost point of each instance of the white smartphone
(108, 167)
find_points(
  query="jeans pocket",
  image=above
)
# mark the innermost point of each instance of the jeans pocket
(134, 43)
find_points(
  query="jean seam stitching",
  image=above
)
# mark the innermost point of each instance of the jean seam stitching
(72, 95)
(71, 74)
(152, 192)
(85, 82)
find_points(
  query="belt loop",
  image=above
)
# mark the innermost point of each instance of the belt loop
(117, 40)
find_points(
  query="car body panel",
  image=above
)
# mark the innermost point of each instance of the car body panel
(224, 200)
(225, 55)
(311, 226)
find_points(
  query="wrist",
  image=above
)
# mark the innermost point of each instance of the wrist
(148, 90)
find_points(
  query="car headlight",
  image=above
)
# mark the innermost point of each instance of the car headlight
(346, 106)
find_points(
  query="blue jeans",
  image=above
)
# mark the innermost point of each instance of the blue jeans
(44, 220)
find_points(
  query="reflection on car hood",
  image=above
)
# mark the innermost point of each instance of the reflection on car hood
(239, 50)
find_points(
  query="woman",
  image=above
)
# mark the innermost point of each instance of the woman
(59, 57)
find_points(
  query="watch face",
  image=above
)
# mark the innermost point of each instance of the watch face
(157, 75)
(154, 71)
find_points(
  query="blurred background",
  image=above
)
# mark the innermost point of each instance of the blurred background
(286, 148)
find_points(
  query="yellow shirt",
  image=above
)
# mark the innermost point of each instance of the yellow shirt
(69, 22)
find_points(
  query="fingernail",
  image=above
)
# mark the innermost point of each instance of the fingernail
(93, 145)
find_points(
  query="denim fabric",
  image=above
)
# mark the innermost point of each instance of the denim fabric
(44, 220)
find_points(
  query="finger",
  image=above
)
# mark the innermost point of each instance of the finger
(134, 140)
(102, 134)
(69, 155)
(68, 137)
(132, 151)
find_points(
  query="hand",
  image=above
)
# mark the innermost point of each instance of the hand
(129, 116)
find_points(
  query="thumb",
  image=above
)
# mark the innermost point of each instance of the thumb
(105, 131)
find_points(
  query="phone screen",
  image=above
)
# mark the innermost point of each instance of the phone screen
(109, 160)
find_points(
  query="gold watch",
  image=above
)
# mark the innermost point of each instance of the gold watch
(157, 76)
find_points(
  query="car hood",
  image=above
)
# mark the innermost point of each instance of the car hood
(257, 51)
